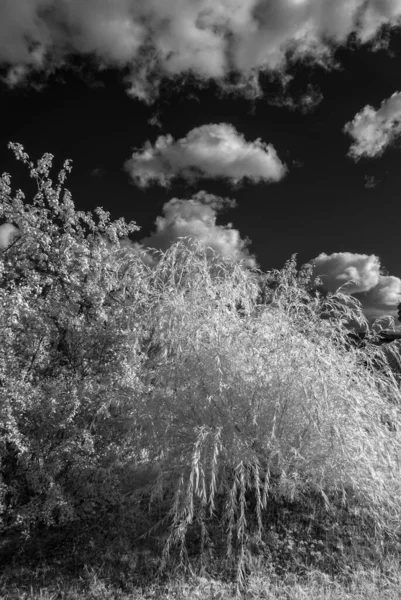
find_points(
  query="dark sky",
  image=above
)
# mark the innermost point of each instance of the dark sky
(326, 203)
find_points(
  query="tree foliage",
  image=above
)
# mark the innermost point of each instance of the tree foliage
(69, 350)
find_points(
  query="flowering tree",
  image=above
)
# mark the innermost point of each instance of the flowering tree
(68, 350)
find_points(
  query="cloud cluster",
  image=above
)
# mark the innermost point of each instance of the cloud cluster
(197, 217)
(374, 130)
(207, 38)
(379, 294)
(210, 151)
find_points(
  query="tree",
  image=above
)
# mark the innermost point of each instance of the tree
(69, 351)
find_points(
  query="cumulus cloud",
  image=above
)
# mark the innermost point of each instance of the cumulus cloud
(382, 300)
(374, 130)
(359, 271)
(152, 39)
(6, 233)
(197, 217)
(210, 151)
(379, 294)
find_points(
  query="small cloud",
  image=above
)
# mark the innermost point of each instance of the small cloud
(374, 130)
(211, 151)
(154, 121)
(304, 103)
(16, 75)
(371, 181)
(197, 217)
(297, 163)
(7, 231)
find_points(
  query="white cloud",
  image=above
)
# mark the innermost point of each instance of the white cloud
(207, 38)
(342, 267)
(379, 294)
(374, 130)
(210, 151)
(196, 217)
(382, 299)
(376, 14)
(6, 232)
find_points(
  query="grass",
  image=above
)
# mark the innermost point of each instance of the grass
(266, 404)
(363, 585)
